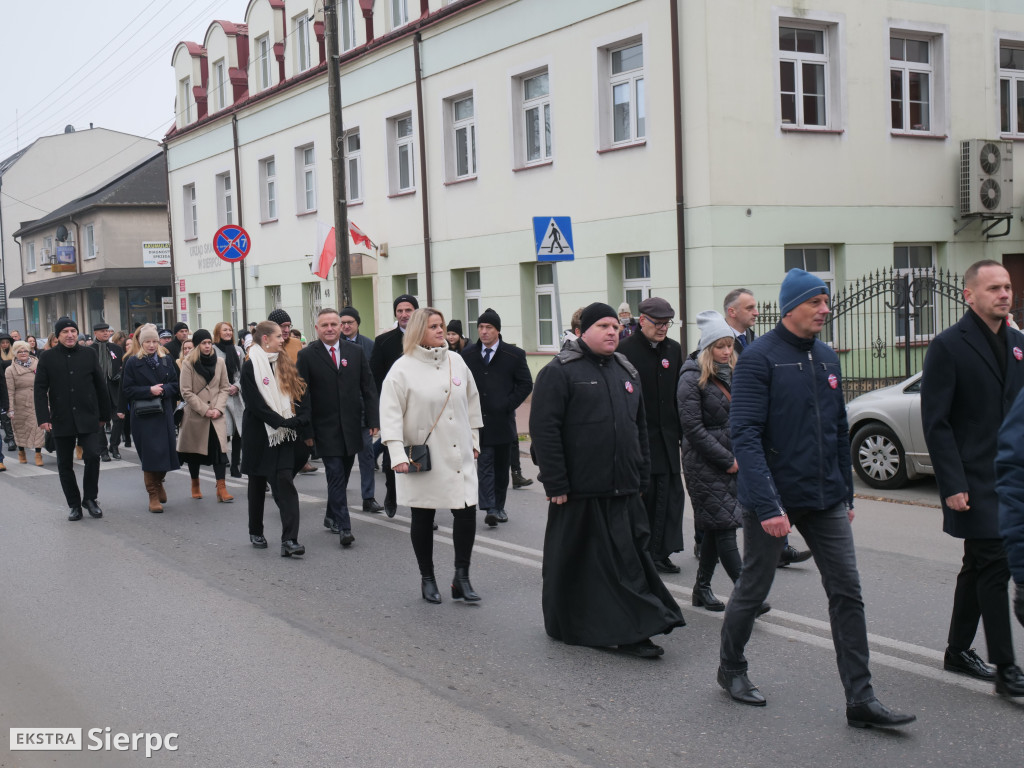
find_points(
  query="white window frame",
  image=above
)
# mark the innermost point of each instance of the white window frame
(273, 298)
(300, 31)
(262, 60)
(195, 300)
(412, 285)
(89, 246)
(268, 189)
(456, 151)
(827, 276)
(186, 93)
(544, 292)
(608, 81)
(190, 211)
(833, 27)
(353, 165)
(30, 257)
(220, 83)
(402, 151)
(305, 179)
(915, 334)
(347, 24)
(399, 12)
(521, 109)
(1011, 89)
(935, 36)
(225, 199)
(471, 277)
(640, 286)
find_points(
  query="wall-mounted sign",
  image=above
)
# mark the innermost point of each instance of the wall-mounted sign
(64, 259)
(156, 254)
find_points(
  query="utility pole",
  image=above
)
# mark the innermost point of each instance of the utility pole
(343, 269)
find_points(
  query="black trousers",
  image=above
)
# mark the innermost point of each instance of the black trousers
(390, 499)
(66, 468)
(282, 485)
(421, 531)
(492, 468)
(981, 594)
(721, 545)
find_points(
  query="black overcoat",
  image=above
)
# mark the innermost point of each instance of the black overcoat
(115, 353)
(387, 348)
(503, 384)
(964, 399)
(259, 457)
(70, 392)
(342, 398)
(659, 368)
(153, 436)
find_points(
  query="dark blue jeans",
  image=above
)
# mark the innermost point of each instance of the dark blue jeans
(830, 538)
(338, 469)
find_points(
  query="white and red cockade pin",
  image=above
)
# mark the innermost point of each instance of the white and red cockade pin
(629, 387)
(266, 381)
(457, 381)
(833, 380)
(344, 363)
(1017, 353)
(664, 363)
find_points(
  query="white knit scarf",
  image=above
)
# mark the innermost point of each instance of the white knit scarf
(278, 401)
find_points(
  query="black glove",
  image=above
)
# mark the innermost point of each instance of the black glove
(292, 423)
(1018, 604)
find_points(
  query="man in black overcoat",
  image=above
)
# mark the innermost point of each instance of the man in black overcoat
(110, 356)
(972, 374)
(387, 348)
(659, 359)
(72, 402)
(342, 399)
(350, 322)
(504, 382)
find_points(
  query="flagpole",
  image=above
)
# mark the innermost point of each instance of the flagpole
(343, 271)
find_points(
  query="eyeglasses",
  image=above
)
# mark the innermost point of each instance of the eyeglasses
(660, 325)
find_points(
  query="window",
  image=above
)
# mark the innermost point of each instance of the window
(268, 189)
(195, 301)
(90, 242)
(910, 82)
(626, 89)
(460, 129)
(225, 200)
(262, 62)
(305, 166)
(472, 301)
(816, 259)
(191, 212)
(545, 292)
(186, 100)
(353, 166)
(220, 84)
(402, 154)
(412, 285)
(533, 94)
(636, 279)
(273, 298)
(1011, 88)
(30, 257)
(908, 261)
(399, 12)
(803, 61)
(347, 24)
(300, 39)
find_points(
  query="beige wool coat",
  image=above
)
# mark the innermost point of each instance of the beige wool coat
(199, 397)
(412, 398)
(20, 384)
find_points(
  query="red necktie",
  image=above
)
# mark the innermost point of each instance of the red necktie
(334, 357)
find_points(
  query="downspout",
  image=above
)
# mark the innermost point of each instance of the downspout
(427, 266)
(170, 239)
(238, 197)
(677, 116)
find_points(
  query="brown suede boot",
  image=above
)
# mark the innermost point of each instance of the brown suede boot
(151, 486)
(222, 492)
(196, 493)
(78, 452)
(39, 458)
(21, 456)
(160, 492)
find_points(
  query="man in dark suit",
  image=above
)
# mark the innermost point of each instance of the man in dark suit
(109, 356)
(350, 322)
(973, 372)
(387, 348)
(503, 379)
(658, 359)
(72, 402)
(342, 399)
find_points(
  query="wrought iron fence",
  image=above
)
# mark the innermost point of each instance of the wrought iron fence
(881, 324)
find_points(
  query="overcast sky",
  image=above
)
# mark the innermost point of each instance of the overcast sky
(107, 63)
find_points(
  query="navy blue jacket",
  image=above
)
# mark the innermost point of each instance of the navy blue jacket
(1010, 486)
(788, 423)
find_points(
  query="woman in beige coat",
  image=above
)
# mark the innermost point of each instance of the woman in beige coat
(429, 397)
(21, 379)
(203, 437)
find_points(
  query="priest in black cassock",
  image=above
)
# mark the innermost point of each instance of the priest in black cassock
(589, 433)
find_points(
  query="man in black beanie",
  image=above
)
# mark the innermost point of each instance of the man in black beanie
(387, 348)
(181, 335)
(504, 382)
(589, 430)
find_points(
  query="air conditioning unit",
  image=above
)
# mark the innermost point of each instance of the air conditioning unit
(986, 177)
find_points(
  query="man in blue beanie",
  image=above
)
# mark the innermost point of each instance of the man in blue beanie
(787, 399)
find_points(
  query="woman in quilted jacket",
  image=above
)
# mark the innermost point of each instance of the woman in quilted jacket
(709, 466)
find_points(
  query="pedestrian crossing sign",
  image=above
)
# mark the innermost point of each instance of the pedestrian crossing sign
(553, 238)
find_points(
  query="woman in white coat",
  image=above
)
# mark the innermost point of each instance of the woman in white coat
(429, 397)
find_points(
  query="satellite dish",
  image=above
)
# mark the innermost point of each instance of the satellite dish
(62, 234)
(69, 128)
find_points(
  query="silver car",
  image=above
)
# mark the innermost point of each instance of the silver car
(886, 436)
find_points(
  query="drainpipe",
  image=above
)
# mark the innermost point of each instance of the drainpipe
(170, 244)
(677, 118)
(238, 207)
(427, 266)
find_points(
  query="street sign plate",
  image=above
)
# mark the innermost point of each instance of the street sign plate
(232, 243)
(553, 238)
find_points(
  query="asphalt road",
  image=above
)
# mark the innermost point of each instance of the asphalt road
(173, 623)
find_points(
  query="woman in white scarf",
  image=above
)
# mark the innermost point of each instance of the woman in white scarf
(275, 434)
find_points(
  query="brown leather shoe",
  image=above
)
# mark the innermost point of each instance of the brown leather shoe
(222, 492)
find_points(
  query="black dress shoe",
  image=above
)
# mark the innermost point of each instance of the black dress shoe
(645, 649)
(236, 472)
(292, 547)
(968, 663)
(347, 538)
(1010, 681)
(501, 515)
(666, 566)
(491, 518)
(435, 526)
(104, 456)
(740, 688)
(762, 609)
(258, 541)
(332, 525)
(75, 513)
(371, 506)
(92, 508)
(790, 555)
(115, 454)
(875, 713)
(429, 590)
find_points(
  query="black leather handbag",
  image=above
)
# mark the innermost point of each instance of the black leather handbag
(419, 455)
(151, 406)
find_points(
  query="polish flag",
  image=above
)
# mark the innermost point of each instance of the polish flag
(325, 242)
(358, 236)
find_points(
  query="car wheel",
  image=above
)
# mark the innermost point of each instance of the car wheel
(878, 457)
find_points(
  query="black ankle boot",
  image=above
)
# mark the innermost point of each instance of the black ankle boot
(429, 590)
(461, 588)
(703, 597)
